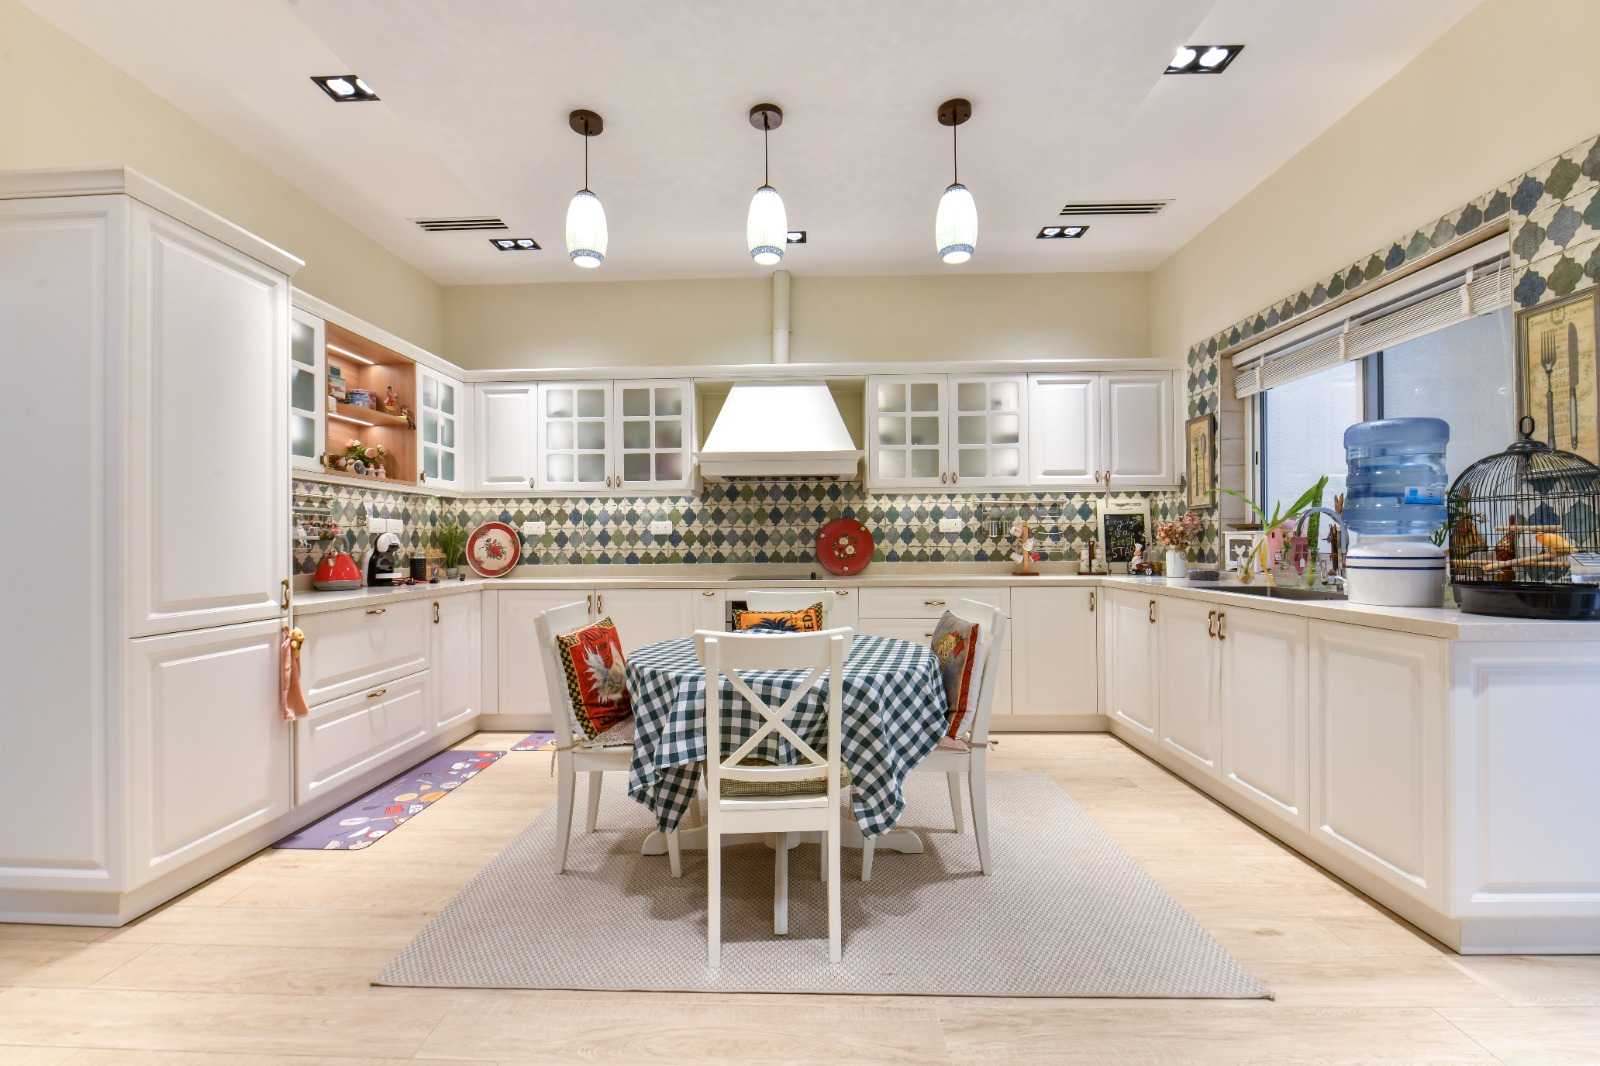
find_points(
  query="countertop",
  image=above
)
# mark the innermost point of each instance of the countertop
(1446, 623)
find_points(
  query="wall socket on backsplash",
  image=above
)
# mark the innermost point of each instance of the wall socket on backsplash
(660, 527)
(949, 525)
(533, 529)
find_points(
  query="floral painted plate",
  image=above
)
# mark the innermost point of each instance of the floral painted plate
(844, 546)
(493, 549)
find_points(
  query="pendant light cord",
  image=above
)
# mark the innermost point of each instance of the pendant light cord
(955, 157)
(766, 169)
(585, 155)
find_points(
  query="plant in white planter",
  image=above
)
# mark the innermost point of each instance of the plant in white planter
(453, 543)
(1177, 536)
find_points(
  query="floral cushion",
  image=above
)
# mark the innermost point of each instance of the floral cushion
(955, 645)
(597, 680)
(805, 620)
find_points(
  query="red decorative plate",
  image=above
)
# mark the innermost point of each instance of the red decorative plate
(493, 549)
(844, 546)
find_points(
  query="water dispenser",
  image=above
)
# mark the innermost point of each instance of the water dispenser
(1395, 500)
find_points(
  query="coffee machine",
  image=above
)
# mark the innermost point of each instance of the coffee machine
(383, 566)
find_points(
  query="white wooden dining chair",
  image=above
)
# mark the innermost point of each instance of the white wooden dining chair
(746, 798)
(789, 600)
(577, 754)
(967, 754)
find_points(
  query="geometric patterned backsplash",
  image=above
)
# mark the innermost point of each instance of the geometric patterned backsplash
(749, 522)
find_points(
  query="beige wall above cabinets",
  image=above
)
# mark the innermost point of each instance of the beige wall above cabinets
(1504, 89)
(934, 318)
(82, 111)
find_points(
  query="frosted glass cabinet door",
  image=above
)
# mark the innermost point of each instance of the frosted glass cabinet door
(988, 442)
(439, 429)
(308, 390)
(906, 432)
(654, 436)
(574, 435)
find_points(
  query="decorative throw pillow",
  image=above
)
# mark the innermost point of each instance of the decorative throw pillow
(955, 645)
(597, 680)
(806, 620)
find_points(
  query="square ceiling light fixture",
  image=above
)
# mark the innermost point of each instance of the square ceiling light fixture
(1056, 233)
(1203, 58)
(345, 88)
(796, 236)
(515, 244)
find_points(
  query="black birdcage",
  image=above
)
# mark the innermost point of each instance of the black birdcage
(1525, 533)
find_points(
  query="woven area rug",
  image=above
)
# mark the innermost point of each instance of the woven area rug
(1066, 912)
(363, 822)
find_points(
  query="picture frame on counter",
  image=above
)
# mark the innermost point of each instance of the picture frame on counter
(1557, 373)
(1235, 546)
(1200, 462)
(1120, 525)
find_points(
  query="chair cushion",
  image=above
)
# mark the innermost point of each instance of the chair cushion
(955, 645)
(805, 786)
(597, 680)
(805, 620)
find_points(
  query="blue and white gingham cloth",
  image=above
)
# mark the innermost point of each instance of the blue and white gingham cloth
(893, 714)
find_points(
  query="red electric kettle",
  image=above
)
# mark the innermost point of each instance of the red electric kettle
(337, 571)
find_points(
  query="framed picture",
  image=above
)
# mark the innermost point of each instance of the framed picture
(1556, 374)
(1122, 525)
(1200, 462)
(1235, 546)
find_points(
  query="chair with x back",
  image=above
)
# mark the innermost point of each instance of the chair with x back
(749, 795)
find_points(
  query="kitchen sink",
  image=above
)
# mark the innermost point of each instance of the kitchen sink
(1284, 592)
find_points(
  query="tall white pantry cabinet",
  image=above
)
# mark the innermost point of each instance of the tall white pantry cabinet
(145, 347)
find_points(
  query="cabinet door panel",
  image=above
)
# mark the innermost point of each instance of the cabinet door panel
(1187, 680)
(440, 460)
(207, 435)
(574, 436)
(522, 685)
(338, 742)
(208, 747)
(504, 456)
(645, 616)
(906, 432)
(357, 648)
(1064, 446)
(1140, 427)
(1131, 655)
(1263, 687)
(1053, 637)
(989, 431)
(655, 435)
(457, 659)
(308, 391)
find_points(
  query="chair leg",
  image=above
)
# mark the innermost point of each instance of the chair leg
(564, 785)
(714, 898)
(835, 915)
(978, 781)
(954, 781)
(596, 779)
(866, 859)
(674, 854)
(780, 884)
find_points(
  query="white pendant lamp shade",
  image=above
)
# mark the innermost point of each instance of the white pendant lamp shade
(767, 229)
(586, 229)
(955, 227)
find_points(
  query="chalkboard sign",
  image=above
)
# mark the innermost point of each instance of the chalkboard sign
(1122, 532)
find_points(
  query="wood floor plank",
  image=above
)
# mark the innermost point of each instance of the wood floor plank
(61, 963)
(1533, 1036)
(1537, 980)
(254, 969)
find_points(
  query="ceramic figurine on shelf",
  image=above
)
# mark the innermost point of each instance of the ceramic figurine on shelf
(391, 403)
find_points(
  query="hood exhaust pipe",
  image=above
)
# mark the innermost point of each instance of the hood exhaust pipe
(780, 316)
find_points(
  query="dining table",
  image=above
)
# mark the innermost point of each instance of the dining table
(893, 713)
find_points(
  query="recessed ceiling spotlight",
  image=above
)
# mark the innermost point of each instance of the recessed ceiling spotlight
(345, 88)
(1055, 233)
(796, 236)
(515, 244)
(1203, 58)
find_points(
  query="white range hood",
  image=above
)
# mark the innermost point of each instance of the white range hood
(784, 429)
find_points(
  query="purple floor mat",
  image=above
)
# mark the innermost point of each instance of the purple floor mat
(535, 742)
(361, 823)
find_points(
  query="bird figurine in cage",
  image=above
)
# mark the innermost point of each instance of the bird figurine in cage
(1525, 533)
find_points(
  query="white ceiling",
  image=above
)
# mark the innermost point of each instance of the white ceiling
(1068, 103)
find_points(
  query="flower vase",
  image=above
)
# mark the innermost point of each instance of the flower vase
(1177, 568)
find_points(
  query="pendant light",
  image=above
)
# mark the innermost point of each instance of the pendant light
(586, 218)
(955, 227)
(767, 228)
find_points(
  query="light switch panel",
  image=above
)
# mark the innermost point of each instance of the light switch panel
(533, 529)
(661, 528)
(396, 525)
(949, 525)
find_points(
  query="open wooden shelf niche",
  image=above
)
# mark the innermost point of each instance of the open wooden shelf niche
(376, 368)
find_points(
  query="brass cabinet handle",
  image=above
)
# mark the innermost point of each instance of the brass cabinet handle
(1152, 612)
(708, 592)
(944, 479)
(933, 603)
(283, 599)
(841, 592)
(375, 694)
(435, 612)
(1211, 623)
(599, 603)
(954, 477)
(589, 599)
(422, 476)
(927, 636)
(1091, 601)
(1221, 618)
(376, 610)
(530, 482)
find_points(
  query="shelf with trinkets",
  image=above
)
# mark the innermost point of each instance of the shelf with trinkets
(361, 371)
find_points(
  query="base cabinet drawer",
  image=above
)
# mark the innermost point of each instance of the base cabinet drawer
(355, 649)
(342, 739)
(928, 601)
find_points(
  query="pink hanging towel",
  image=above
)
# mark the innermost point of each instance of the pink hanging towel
(291, 700)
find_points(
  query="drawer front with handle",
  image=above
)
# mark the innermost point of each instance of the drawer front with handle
(343, 739)
(926, 602)
(361, 648)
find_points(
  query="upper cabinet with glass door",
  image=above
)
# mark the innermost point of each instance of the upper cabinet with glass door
(439, 412)
(600, 436)
(308, 397)
(906, 432)
(988, 447)
(574, 423)
(656, 434)
(946, 431)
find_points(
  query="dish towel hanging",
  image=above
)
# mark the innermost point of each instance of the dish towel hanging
(291, 700)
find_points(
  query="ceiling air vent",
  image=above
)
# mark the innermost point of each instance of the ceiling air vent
(460, 225)
(1114, 207)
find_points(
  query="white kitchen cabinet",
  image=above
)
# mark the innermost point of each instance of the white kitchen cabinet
(653, 435)
(645, 616)
(906, 432)
(926, 432)
(911, 612)
(574, 436)
(1132, 652)
(1065, 446)
(361, 648)
(1055, 652)
(504, 458)
(308, 390)
(441, 463)
(344, 739)
(1262, 697)
(456, 658)
(208, 749)
(989, 431)
(1377, 718)
(1186, 681)
(1086, 426)
(1140, 429)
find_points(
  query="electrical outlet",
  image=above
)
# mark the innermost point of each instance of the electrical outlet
(396, 525)
(533, 529)
(661, 528)
(949, 525)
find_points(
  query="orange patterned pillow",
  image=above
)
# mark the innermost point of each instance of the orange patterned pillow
(597, 680)
(805, 620)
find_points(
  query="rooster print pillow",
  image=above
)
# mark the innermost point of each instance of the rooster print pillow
(955, 645)
(597, 681)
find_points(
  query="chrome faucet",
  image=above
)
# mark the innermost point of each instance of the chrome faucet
(1336, 577)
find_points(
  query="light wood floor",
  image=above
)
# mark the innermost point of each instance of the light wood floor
(269, 963)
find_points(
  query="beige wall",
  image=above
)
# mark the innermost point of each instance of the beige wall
(1507, 88)
(878, 319)
(61, 105)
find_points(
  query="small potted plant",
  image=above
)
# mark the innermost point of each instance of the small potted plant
(1177, 536)
(453, 543)
(361, 458)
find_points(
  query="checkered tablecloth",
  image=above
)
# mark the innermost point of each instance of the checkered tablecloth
(893, 714)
